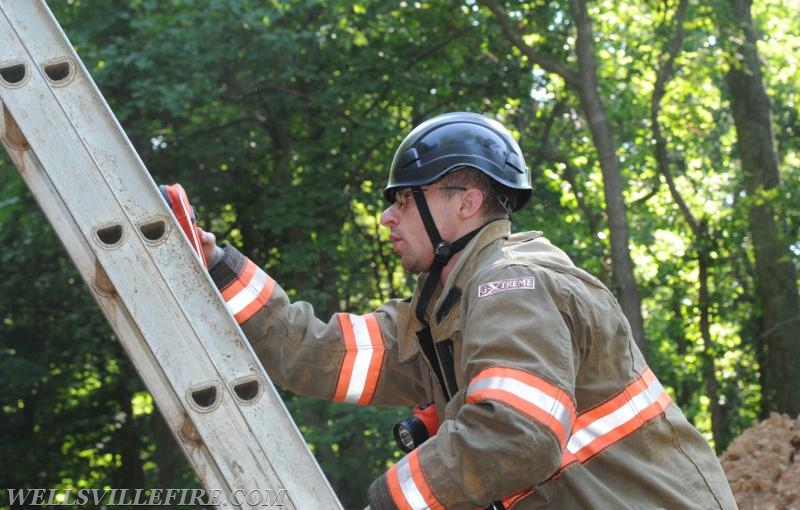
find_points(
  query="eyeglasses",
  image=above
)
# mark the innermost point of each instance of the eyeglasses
(401, 198)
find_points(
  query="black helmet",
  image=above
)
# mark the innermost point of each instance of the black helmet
(455, 140)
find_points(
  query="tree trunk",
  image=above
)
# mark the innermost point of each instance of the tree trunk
(776, 275)
(168, 455)
(131, 471)
(602, 136)
(584, 82)
(702, 236)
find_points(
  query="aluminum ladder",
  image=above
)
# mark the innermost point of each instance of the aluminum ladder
(91, 184)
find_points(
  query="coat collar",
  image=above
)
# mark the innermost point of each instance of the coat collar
(408, 345)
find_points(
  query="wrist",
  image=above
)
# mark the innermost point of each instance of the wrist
(215, 256)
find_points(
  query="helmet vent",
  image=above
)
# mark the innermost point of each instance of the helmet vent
(515, 162)
(408, 157)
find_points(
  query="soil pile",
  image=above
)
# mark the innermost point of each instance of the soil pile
(763, 465)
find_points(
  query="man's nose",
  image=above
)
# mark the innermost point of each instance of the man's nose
(388, 218)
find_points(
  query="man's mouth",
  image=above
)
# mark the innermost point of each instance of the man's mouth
(395, 239)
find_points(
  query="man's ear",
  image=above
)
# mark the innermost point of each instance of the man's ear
(471, 201)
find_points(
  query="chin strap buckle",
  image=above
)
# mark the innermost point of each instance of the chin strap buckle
(442, 252)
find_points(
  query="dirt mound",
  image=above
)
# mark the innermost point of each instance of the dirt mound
(763, 465)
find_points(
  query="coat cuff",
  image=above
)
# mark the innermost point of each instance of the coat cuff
(226, 266)
(379, 496)
(404, 485)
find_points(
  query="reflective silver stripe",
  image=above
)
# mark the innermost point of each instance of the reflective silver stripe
(249, 293)
(363, 359)
(620, 416)
(530, 394)
(410, 490)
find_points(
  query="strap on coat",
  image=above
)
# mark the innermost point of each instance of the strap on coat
(444, 364)
(443, 251)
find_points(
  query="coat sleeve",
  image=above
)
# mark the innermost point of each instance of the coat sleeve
(506, 430)
(350, 358)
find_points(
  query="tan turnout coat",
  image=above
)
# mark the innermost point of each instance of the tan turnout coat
(553, 405)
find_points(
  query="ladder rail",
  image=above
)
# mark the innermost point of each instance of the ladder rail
(142, 358)
(108, 213)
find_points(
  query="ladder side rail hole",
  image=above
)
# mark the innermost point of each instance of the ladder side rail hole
(59, 71)
(14, 74)
(247, 391)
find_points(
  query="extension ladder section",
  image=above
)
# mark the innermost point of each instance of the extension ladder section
(137, 263)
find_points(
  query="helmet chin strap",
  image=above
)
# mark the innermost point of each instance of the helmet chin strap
(443, 251)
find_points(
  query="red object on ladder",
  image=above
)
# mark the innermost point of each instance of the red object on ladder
(178, 202)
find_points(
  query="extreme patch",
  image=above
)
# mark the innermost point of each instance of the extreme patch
(523, 282)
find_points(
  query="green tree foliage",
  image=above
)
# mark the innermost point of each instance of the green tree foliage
(281, 118)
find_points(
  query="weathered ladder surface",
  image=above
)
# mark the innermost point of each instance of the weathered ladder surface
(108, 212)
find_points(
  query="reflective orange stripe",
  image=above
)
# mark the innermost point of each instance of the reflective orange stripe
(605, 425)
(408, 487)
(363, 358)
(529, 395)
(597, 429)
(248, 293)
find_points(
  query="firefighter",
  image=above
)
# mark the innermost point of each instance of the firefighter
(525, 362)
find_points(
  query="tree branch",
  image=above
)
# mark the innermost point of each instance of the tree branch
(534, 56)
(663, 75)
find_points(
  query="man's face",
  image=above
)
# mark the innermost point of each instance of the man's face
(407, 232)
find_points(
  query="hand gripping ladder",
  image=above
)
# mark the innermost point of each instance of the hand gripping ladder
(87, 178)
